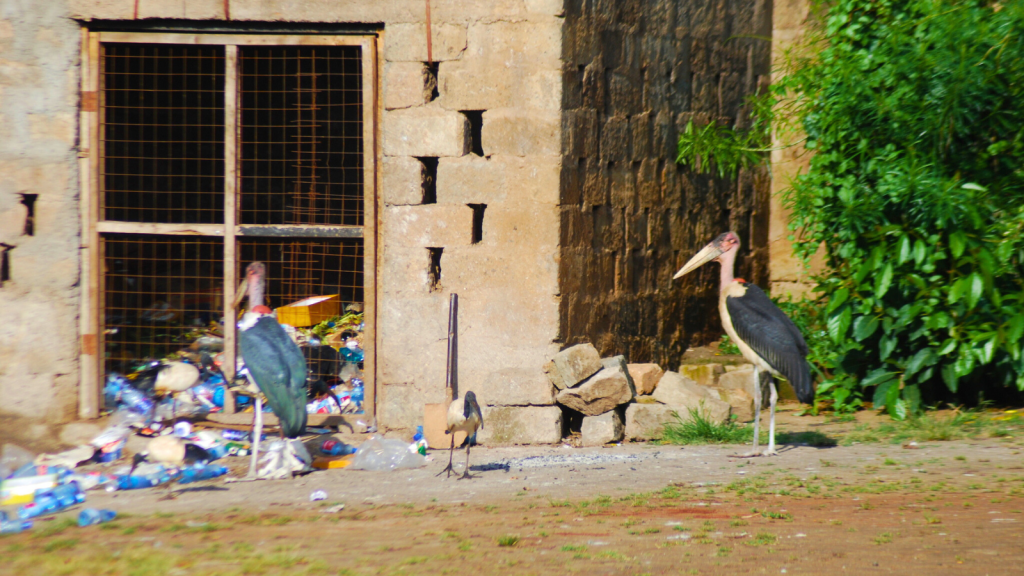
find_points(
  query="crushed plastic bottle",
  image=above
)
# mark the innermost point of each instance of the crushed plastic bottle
(420, 441)
(8, 526)
(146, 478)
(378, 453)
(336, 448)
(317, 495)
(91, 516)
(190, 475)
(136, 401)
(55, 500)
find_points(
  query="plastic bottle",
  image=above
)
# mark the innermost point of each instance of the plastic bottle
(336, 448)
(14, 526)
(135, 482)
(205, 473)
(54, 500)
(358, 394)
(91, 516)
(420, 441)
(234, 435)
(136, 401)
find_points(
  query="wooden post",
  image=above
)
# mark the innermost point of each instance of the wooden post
(89, 363)
(230, 214)
(371, 177)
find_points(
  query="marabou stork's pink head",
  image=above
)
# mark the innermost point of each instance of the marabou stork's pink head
(254, 277)
(726, 243)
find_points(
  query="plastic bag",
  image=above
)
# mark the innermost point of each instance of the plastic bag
(13, 457)
(378, 453)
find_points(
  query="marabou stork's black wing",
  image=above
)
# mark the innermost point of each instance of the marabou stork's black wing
(277, 366)
(773, 336)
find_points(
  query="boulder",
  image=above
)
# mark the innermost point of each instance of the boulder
(515, 387)
(508, 425)
(573, 365)
(741, 379)
(742, 403)
(647, 421)
(703, 374)
(645, 377)
(600, 430)
(602, 391)
(676, 390)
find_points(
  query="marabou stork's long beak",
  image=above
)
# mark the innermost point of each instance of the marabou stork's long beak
(707, 254)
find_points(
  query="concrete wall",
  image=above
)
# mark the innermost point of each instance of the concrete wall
(38, 155)
(635, 74)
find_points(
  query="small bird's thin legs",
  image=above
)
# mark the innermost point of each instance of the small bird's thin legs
(451, 453)
(465, 473)
(771, 422)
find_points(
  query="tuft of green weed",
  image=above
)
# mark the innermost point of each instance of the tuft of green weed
(508, 540)
(698, 429)
(574, 548)
(60, 544)
(763, 539)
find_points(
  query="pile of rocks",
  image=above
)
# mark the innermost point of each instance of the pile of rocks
(635, 401)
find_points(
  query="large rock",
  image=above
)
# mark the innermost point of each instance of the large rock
(602, 391)
(704, 374)
(573, 365)
(740, 379)
(508, 425)
(741, 402)
(647, 421)
(515, 387)
(676, 390)
(645, 376)
(600, 430)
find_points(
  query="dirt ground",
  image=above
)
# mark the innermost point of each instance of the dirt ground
(931, 508)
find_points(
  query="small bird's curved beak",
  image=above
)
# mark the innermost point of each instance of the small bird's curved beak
(707, 254)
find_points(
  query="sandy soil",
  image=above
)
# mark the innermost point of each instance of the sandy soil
(935, 508)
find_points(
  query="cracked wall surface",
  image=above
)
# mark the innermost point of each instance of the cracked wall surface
(635, 74)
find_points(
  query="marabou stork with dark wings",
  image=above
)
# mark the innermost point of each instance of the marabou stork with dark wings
(764, 334)
(277, 367)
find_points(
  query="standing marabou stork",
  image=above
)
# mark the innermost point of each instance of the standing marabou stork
(763, 333)
(465, 417)
(276, 366)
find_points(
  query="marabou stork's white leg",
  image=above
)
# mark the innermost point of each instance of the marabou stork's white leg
(757, 412)
(451, 453)
(465, 473)
(257, 432)
(772, 398)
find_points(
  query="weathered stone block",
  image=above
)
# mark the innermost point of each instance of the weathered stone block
(425, 131)
(683, 393)
(647, 421)
(615, 138)
(742, 379)
(519, 133)
(508, 425)
(573, 365)
(402, 180)
(429, 225)
(601, 392)
(645, 376)
(600, 430)
(703, 374)
(472, 179)
(405, 85)
(515, 387)
(742, 403)
(408, 42)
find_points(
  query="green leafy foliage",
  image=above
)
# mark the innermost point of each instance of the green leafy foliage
(915, 113)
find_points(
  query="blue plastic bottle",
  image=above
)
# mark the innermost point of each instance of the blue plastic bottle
(14, 526)
(335, 448)
(136, 401)
(53, 500)
(91, 516)
(205, 473)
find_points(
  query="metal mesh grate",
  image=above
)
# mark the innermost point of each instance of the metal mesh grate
(299, 268)
(162, 128)
(301, 135)
(157, 290)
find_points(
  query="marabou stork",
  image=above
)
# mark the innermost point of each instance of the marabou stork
(276, 366)
(465, 417)
(763, 333)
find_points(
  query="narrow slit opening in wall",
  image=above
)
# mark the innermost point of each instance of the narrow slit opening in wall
(434, 269)
(476, 127)
(478, 222)
(5, 263)
(430, 86)
(429, 183)
(29, 200)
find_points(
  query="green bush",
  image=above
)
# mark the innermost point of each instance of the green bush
(915, 113)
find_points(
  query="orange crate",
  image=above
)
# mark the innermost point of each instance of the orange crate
(309, 311)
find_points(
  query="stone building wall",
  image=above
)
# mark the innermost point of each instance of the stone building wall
(39, 220)
(635, 74)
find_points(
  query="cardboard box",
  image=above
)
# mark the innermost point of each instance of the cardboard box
(310, 311)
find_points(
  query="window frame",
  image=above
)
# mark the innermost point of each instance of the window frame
(93, 226)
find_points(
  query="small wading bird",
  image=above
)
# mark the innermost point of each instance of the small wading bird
(763, 333)
(276, 366)
(465, 417)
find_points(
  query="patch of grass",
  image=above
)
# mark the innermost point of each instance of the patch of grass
(890, 462)
(508, 540)
(61, 544)
(613, 555)
(883, 538)
(777, 515)
(763, 539)
(699, 430)
(55, 528)
(465, 546)
(933, 427)
(574, 548)
(738, 523)
(723, 551)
